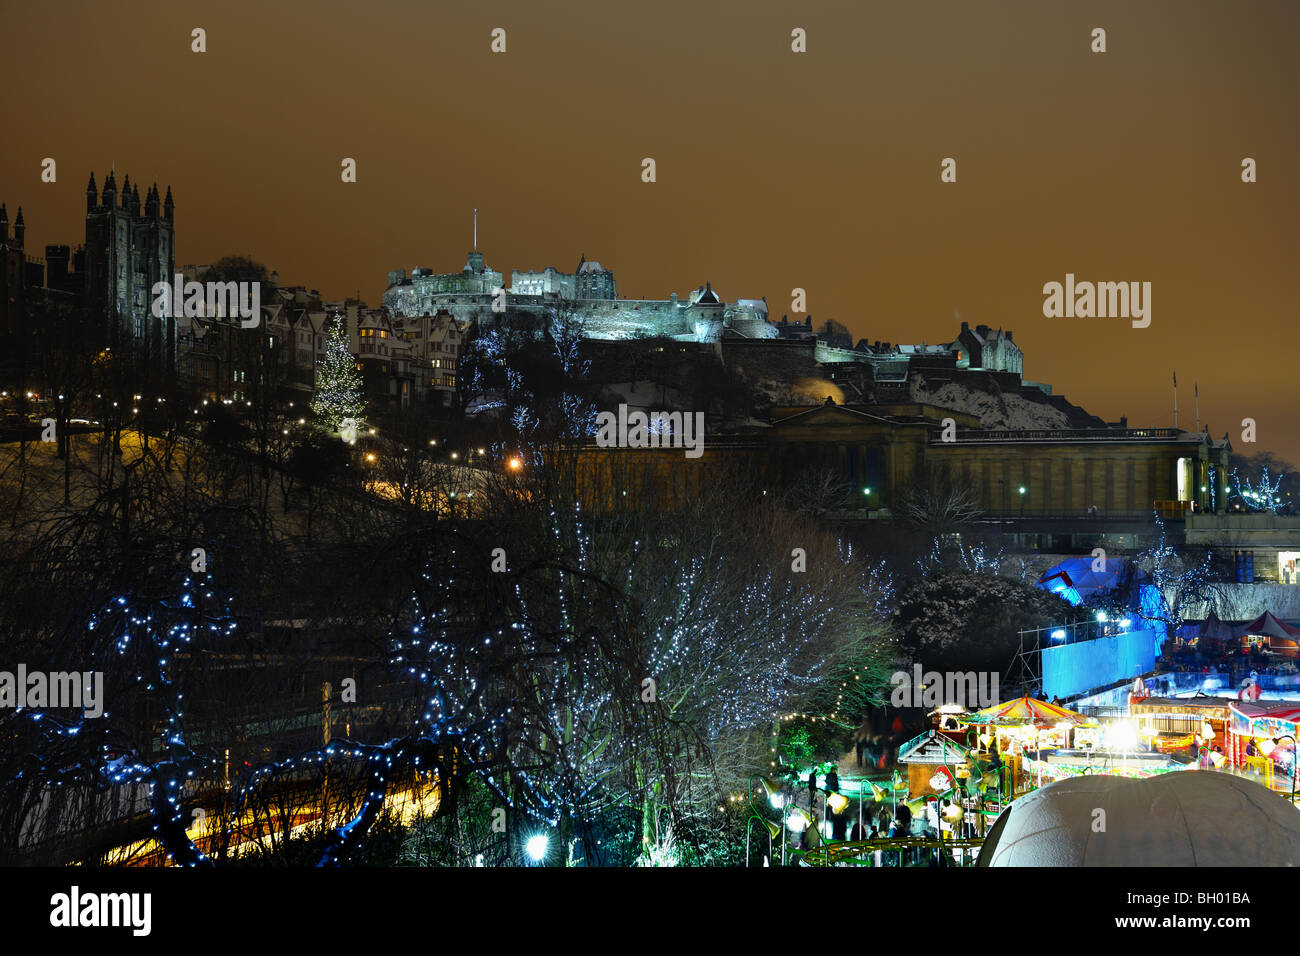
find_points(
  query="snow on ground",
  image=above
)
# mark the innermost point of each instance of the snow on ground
(649, 396)
(994, 410)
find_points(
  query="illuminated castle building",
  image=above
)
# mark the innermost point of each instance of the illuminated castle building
(586, 299)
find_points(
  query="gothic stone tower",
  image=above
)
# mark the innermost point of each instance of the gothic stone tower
(126, 253)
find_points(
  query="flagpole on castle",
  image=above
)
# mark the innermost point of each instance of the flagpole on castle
(476, 230)
(1175, 400)
(1196, 393)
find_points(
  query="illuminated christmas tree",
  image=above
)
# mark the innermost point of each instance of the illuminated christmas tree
(338, 394)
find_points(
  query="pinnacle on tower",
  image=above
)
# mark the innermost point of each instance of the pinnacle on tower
(92, 195)
(126, 190)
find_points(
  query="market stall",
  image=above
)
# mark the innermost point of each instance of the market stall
(933, 761)
(1023, 728)
(1179, 724)
(1270, 634)
(1262, 735)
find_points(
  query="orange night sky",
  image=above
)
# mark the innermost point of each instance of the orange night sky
(776, 170)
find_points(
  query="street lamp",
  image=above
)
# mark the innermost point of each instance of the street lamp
(536, 847)
(776, 798)
(773, 831)
(1124, 736)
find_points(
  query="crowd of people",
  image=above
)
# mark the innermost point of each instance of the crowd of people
(1207, 658)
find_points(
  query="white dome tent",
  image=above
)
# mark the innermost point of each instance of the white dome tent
(1183, 818)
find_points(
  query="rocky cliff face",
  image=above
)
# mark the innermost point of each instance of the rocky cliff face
(1021, 407)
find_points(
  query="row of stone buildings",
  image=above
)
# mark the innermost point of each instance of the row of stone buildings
(129, 247)
(403, 361)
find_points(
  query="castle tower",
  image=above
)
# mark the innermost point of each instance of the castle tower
(4, 223)
(20, 229)
(126, 254)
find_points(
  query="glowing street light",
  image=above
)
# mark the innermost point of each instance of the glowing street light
(514, 464)
(774, 794)
(536, 847)
(798, 820)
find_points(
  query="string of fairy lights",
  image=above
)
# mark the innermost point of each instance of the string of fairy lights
(721, 656)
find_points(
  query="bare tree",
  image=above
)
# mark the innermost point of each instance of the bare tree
(937, 504)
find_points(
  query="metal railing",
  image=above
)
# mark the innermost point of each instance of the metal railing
(1065, 434)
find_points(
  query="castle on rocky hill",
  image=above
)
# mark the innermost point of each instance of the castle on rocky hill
(585, 299)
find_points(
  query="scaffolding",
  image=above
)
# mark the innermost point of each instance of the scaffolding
(1026, 670)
